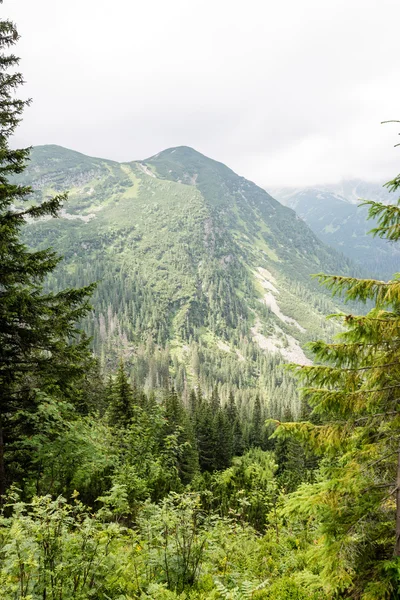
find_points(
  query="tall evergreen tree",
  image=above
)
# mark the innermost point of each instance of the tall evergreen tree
(238, 441)
(355, 396)
(206, 436)
(231, 410)
(193, 404)
(257, 425)
(294, 465)
(215, 401)
(179, 424)
(224, 441)
(120, 409)
(40, 345)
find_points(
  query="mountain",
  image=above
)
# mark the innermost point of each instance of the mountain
(203, 276)
(349, 190)
(338, 221)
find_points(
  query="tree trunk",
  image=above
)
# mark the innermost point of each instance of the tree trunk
(397, 545)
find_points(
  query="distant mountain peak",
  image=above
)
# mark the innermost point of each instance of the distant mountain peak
(187, 157)
(179, 151)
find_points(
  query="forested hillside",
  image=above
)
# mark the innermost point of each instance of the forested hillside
(202, 276)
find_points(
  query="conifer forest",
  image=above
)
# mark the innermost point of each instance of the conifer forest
(198, 397)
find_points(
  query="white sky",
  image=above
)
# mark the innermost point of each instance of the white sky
(285, 92)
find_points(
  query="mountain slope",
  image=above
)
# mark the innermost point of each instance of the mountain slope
(202, 274)
(344, 226)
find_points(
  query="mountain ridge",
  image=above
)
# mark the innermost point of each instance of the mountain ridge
(192, 260)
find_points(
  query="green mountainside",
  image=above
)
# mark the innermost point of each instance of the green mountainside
(203, 276)
(344, 226)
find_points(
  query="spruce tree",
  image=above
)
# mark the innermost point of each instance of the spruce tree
(120, 409)
(257, 425)
(215, 401)
(238, 441)
(179, 424)
(293, 466)
(40, 345)
(224, 441)
(193, 404)
(231, 410)
(206, 437)
(355, 426)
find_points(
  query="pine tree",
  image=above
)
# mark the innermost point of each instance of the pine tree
(120, 409)
(231, 410)
(91, 396)
(179, 424)
(257, 425)
(355, 399)
(40, 345)
(293, 466)
(215, 401)
(238, 441)
(193, 404)
(205, 436)
(224, 441)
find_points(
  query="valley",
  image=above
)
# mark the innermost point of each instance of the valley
(196, 267)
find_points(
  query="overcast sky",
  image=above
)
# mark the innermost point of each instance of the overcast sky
(285, 92)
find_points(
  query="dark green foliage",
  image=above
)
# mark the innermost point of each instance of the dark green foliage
(231, 410)
(224, 440)
(217, 430)
(355, 428)
(238, 439)
(178, 424)
(257, 424)
(93, 393)
(121, 401)
(206, 436)
(40, 345)
(248, 488)
(295, 464)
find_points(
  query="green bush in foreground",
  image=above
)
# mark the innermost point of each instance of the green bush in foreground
(62, 551)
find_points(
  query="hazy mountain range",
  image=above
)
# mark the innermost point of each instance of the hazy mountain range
(332, 212)
(349, 190)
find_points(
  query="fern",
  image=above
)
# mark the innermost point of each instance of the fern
(243, 592)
